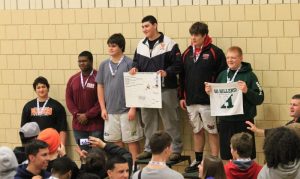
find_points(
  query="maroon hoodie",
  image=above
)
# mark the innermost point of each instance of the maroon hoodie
(242, 169)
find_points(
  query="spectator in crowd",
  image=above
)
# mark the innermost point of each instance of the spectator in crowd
(294, 113)
(38, 158)
(8, 163)
(202, 62)
(253, 95)
(211, 167)
(241, 166)
(62, 168)
(28, 132)
(160, 144)
(94, 161)
(158, 53)
(122, 124)
(82, 100)
(46, 111)
(56, 149)
(281, 149)
(88, 176)
(117, 168)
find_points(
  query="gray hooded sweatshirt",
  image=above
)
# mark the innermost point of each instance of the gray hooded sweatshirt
(290, 171)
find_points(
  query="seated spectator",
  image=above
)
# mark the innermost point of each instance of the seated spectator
(88, 176)
(8, 163)
(37, 153)
(56, 149)
(294, 113)
(281, 149)
(62, 168)
(211, 167)
(117, 168)
(160, 144)
(28, 132)
(94, 161)
(241, 166)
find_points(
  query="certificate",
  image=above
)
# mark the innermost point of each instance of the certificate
(143, 90)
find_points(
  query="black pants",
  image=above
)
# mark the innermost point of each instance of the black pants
(226, 130)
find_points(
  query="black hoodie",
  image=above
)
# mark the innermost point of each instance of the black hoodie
(209, 64)
(23, 173)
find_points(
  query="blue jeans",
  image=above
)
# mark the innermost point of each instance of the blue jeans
(85, 134)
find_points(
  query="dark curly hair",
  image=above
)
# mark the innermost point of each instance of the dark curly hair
(95, 161)
(281, 146)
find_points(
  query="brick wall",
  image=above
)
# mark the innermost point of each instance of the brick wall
(47, 41)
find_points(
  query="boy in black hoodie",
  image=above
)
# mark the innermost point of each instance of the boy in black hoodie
(202, 62)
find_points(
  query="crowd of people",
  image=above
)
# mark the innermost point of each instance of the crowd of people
(102, 124)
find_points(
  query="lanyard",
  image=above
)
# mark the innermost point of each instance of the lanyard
(157, 163)
(81, 79)
(232, 79)
(38, 106)
(196, 53)
(113, 72)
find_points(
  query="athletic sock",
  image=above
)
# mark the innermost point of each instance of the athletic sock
(198, 156)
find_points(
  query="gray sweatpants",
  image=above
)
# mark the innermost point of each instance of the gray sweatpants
(169, 115)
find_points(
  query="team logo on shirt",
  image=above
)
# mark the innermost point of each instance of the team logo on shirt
(211, 127)
(205, 56)
(90, 85)
(45, 112)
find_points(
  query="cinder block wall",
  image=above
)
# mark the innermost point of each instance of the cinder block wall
(44, 37)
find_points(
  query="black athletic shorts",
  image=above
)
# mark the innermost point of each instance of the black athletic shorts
(226, 130)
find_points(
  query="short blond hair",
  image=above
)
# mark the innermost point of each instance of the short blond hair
(235, 49)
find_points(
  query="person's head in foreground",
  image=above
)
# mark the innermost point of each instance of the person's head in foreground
(38, 155)
(281, 147)
(8, 163)
(88, 176)
(241, 145)
(234, 57)
(62, 168)
(29, 132)
(117, 168)
(52, 138)
(95, 162)
(160, 144)
(211, 167)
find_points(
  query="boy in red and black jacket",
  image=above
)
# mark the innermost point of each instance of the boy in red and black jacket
(202, 62)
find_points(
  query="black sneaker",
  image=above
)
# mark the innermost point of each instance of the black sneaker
(193, 167)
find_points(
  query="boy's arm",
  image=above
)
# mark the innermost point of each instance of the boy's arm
(73, 109)
(100, 91)
(175, 57)
(255, 93)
